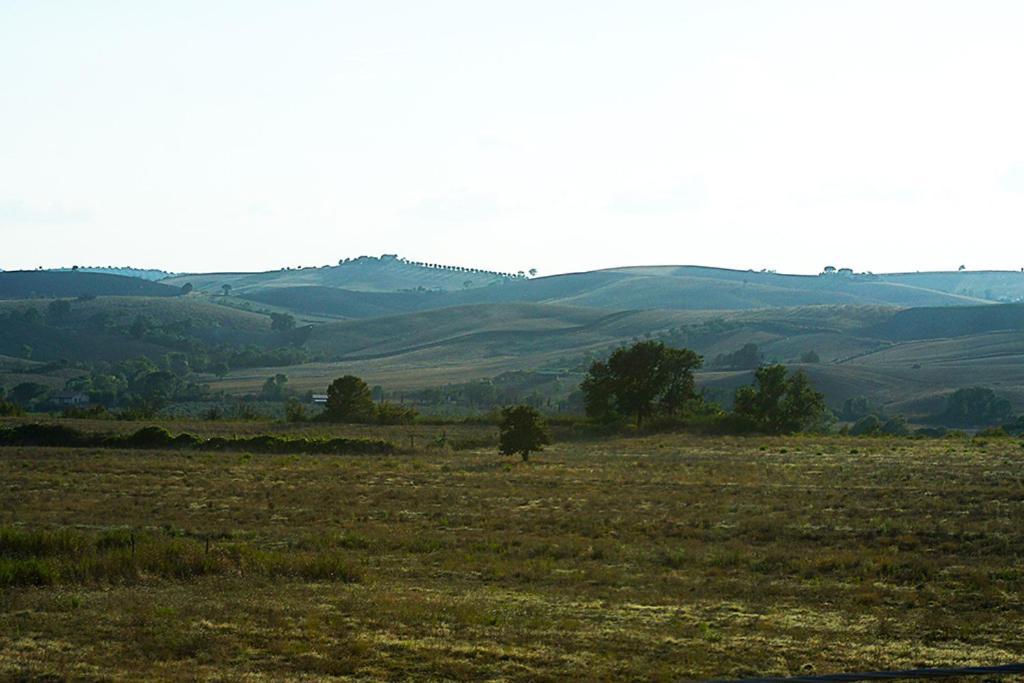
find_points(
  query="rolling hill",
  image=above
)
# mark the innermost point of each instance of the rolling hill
(902, 340)
(372, 288)
(27, 284)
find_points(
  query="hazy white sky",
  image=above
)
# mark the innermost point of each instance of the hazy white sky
(221, 134)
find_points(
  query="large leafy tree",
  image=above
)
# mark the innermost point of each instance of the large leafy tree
(638, 381)
(779, 402)
(26, 392)
(153, 391)
(349, 400)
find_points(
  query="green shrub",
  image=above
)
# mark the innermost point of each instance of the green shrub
(186, 440)
(43, 557)
(26, 572)
(8, 409)
(895, 426)
(294, 411)
(213, 414)
(91, 413)
(149, 437)
(53, 435)
(394, 414)
(158, 438)
(15, 542)
(868, 425)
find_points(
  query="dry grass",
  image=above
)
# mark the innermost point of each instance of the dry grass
(660, 558)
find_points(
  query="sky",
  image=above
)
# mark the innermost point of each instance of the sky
(558, 135)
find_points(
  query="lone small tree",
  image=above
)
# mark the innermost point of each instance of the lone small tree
(523, 431)
(275, 387)
(349, 400)
(282, 322)
(747, 358)
(810, 357)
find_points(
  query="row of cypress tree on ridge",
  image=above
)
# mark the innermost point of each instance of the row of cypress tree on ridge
(158, 438)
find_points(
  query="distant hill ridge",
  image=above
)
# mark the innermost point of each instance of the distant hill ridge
(388, 273)
(365, 292)
(369, 287)
(26, 284)
(388, 285)
(127, 271)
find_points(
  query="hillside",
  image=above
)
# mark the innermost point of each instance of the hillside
(26, 284)
(99, 328)
(477, 341)
(930, 323)
(48, 343)
(336, 302)
(516, 328)
(500, 329)
(465, 342)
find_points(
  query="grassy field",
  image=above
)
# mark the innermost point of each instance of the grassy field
(657, 558)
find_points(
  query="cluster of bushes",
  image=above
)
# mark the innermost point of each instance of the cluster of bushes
(88, 413)
(970, 407)
(872, 425)
(975, 407)
(157, 438)
(516, 387)
(650, 383)
(349, 399)
(266, 443)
